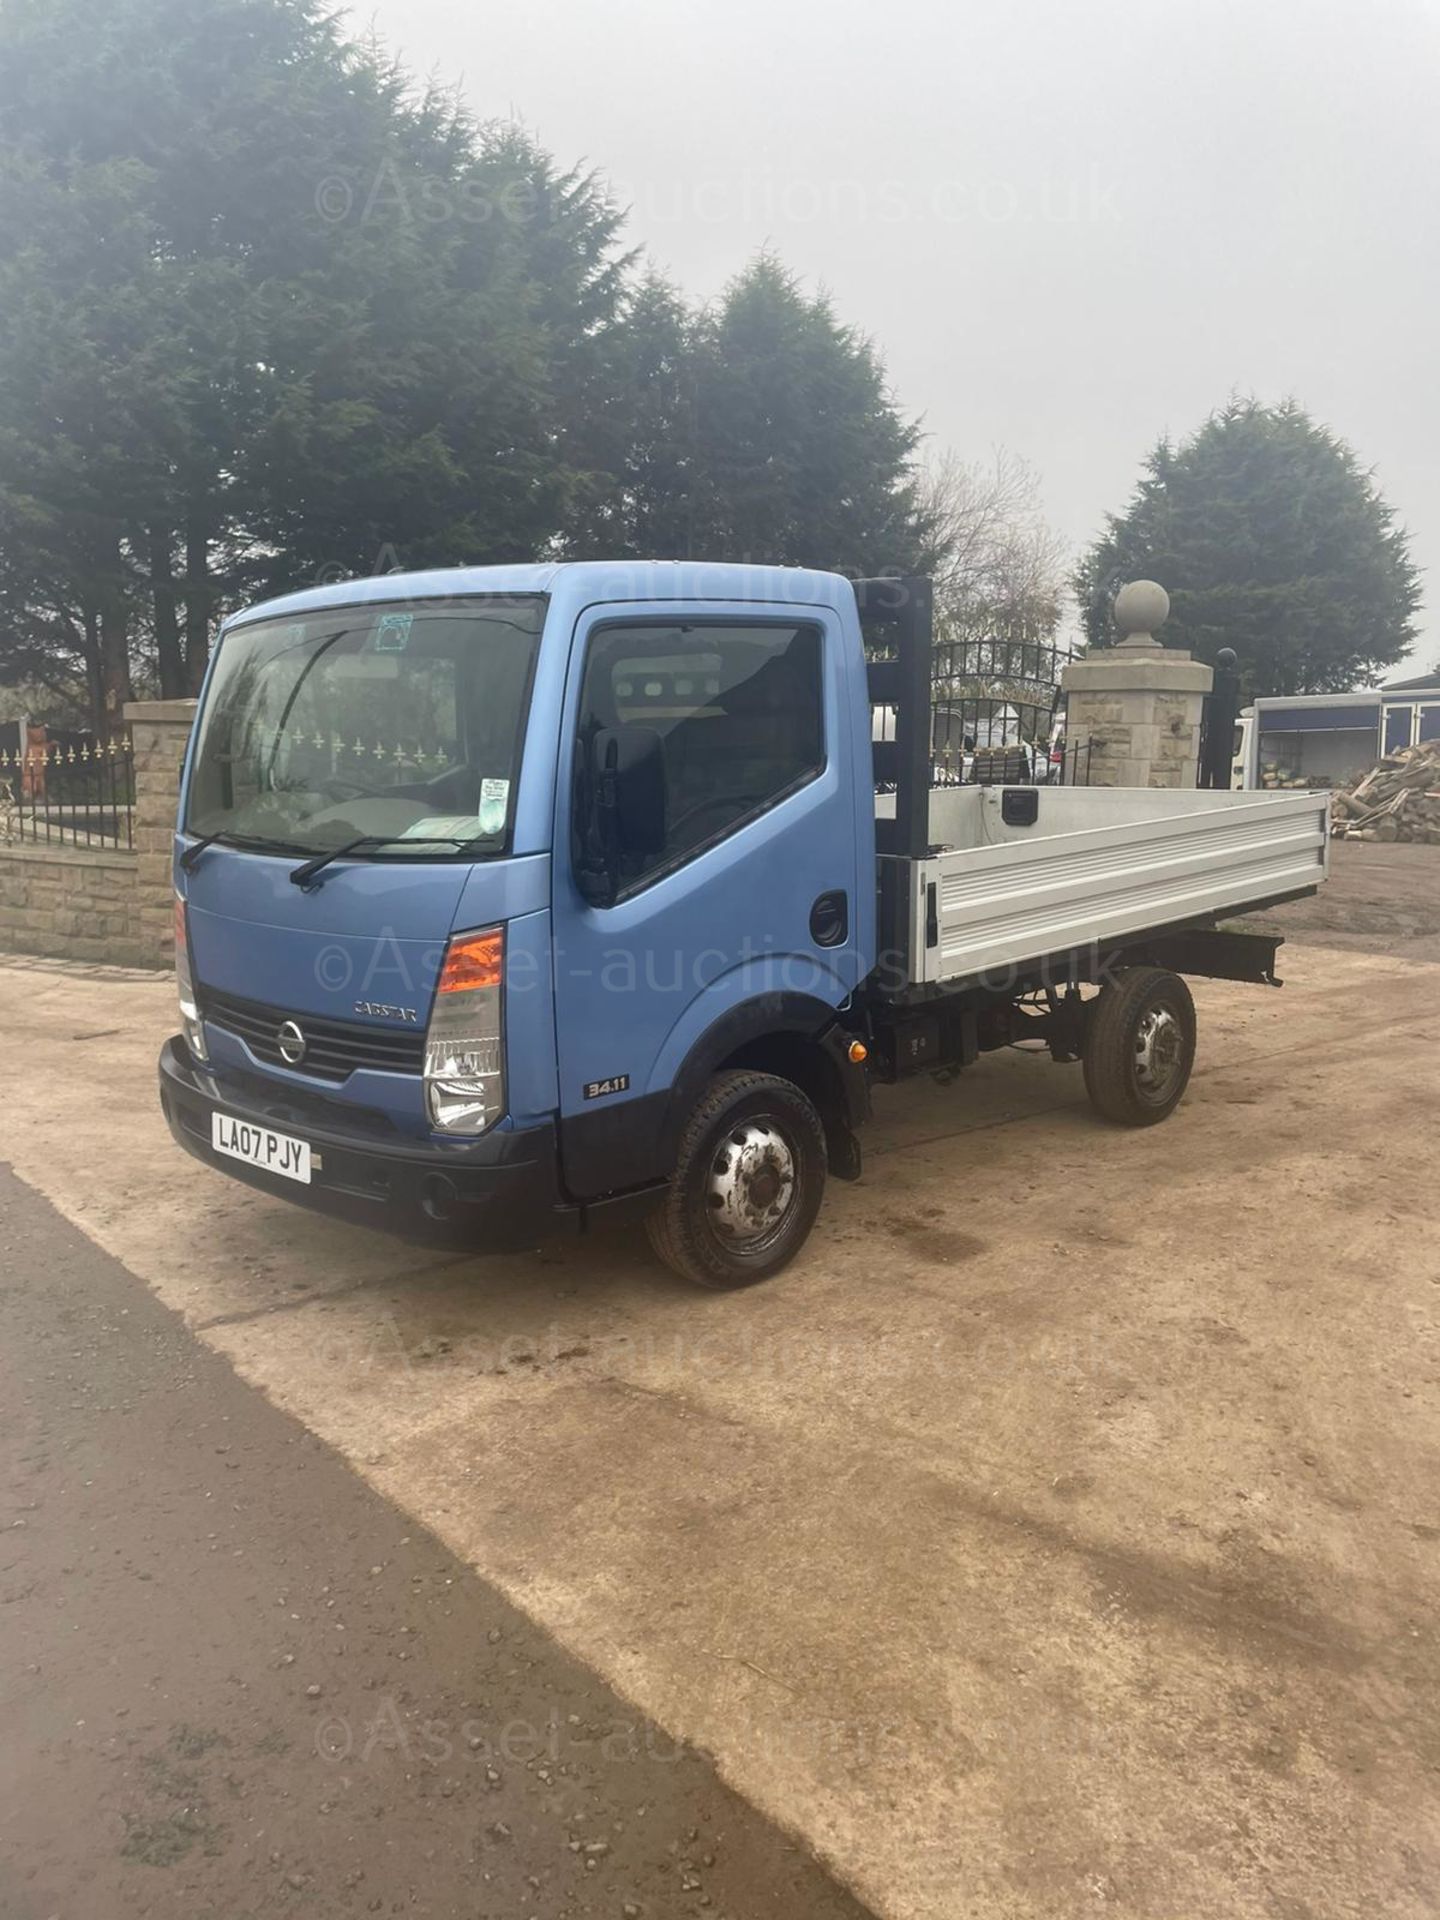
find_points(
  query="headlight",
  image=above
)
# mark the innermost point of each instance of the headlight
(185, 984)
(464, 1050)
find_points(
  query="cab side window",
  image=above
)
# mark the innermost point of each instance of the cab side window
(736, 710)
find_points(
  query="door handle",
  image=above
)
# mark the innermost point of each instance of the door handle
(830, 919)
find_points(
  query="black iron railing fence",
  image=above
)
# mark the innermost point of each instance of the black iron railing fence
(65, 789)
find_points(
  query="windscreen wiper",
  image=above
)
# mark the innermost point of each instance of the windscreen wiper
(302, 875)
(251, 843)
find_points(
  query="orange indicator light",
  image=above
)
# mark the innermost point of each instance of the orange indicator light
(473, 960)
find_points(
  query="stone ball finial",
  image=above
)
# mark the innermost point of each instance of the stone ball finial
(1140, 607)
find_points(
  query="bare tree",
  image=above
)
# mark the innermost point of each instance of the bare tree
(1004, 568)
(999, 590)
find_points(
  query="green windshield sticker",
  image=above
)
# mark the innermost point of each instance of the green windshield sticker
(494, 800)
(393, 633)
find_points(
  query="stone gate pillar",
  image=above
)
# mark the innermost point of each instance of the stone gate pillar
(159, 730)
(1137, 705)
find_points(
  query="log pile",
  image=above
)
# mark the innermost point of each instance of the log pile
(1397, 800)
(1274, 780)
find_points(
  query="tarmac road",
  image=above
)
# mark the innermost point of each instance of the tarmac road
(239, 1682)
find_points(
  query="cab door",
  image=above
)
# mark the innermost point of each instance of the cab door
(737, 900)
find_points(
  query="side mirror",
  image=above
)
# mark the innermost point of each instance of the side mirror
(625, 807)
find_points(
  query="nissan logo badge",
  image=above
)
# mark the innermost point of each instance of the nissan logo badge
(291, 1042)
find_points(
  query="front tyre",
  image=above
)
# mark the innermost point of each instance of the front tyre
(1140, 1046)
(748, 1179)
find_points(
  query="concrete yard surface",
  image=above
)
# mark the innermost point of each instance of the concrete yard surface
(1059, 1536)
(1379, 899)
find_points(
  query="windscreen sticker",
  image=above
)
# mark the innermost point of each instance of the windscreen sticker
(443, 826)
(494, 801)
(393, 633)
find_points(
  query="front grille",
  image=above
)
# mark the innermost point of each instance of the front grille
(334, 1049)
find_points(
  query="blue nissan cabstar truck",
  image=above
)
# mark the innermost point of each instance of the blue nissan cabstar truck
(510, 899)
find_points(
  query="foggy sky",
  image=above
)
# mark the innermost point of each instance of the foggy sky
(1068, 227)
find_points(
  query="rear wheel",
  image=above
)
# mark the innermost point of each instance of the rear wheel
(748, 1179)
(1140, 1046)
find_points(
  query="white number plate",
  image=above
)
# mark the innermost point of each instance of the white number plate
(261, 1147)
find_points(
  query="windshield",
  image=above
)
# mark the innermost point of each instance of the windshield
(399, 724)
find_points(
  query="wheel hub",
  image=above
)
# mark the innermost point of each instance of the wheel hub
(751, 1186)
(1159, 1050)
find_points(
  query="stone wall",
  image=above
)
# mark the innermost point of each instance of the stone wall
(74, 903)
(113, 905)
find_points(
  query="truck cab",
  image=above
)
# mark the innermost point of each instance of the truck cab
(483, 875)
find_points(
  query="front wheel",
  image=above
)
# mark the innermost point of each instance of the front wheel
(1140, 1046)
(748, 1178)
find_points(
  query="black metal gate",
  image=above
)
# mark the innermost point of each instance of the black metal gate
(994, 707)
(995, 692)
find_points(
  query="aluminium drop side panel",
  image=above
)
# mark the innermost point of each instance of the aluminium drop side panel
(1021, 899)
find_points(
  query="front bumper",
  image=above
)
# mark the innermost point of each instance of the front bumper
(500, 1193)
